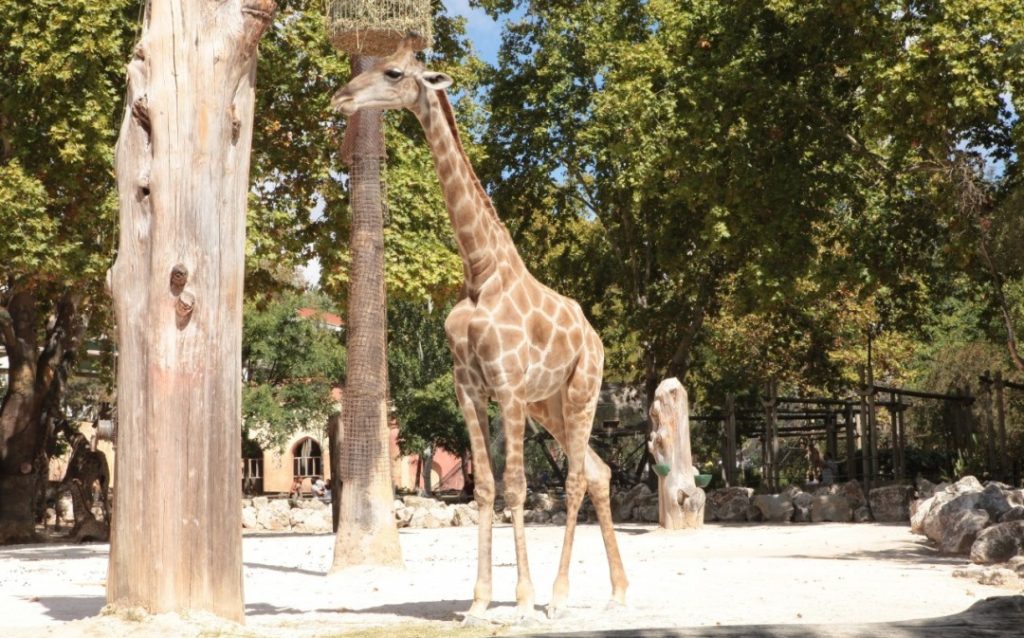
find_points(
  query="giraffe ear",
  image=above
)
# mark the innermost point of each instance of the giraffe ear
(434, 80)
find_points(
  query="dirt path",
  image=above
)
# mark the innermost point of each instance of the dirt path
(719, 575)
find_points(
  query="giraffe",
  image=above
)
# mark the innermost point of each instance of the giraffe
(513, 340)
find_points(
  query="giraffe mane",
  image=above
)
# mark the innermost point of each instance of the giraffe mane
(449, 116)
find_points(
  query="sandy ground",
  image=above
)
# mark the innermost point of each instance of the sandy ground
(721, 574)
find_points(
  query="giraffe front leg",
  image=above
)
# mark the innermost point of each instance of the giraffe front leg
(474, 410)
(514, 419)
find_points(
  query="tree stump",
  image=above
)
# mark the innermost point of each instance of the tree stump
(680, 501)
(182, 163)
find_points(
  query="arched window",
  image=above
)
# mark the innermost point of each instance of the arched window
(307, 459)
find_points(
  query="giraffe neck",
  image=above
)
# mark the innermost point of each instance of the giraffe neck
(484, 243)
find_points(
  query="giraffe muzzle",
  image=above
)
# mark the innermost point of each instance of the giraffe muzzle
(346, 104)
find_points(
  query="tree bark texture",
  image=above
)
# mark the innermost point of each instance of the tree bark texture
(35, 389)
(367, 534)
(182, 163)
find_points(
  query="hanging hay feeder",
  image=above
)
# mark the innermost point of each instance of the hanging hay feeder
(370, 28)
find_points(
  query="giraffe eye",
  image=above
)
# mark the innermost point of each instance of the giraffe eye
(394, 74)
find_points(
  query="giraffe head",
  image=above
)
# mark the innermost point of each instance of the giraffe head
(395, 82)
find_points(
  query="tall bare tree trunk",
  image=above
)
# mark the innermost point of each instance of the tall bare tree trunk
(367, 534)
(182, 164)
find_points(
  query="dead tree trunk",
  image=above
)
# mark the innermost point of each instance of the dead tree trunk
(182, 163)
(680, 501)
(367, 534)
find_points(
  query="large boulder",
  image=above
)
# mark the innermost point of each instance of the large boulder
(997, 499)
(538, 517)
(831, 507)
(862, 515)
(942, 516)
(249, 518)
(999, 543)
(1015, 513)
(624, 502)
(730, 503)
(272, 519)
(922, 510)
(774, 508)
(891, 504)
(960, 529)
(853, 493)
(967, 484)
(802, 507)
(466, 514)
(546, 501)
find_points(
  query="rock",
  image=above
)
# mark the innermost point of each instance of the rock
(960, 529)
(403, 515)
(997, 499)
(624, 502)
(998, 543)
(967, 484)
(297, 516)
(648, 513)
(922, 510)
(317, 522)
(941, 517)
(802, 507)
(249, 518)
(754, 514)
(1015, 513)
(998, 577)
(831, 507)
(730, 503)
(537, 516)
(774, 508)
(312, 504)
(546, 501)
(1017, 564)
(925, 488)
(51, 517)
(280, 505)
(259, 502)
(558, 518)
(853, 493)
(466, 515)
(862, 515)
(91, 530)
(891, 504)
(272, 520)
(444, 514)
(419, 501)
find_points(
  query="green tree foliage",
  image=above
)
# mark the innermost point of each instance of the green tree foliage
(753, 184)
(291, 358)
(62, 65)
(420, 376)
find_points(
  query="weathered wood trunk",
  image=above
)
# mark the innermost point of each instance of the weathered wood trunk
(367, 534)
(35, 388)
(182, 164)
(680, 501)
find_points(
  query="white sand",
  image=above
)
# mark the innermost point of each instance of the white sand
(721, 574)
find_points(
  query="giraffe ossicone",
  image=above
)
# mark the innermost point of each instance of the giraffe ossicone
(513, 339)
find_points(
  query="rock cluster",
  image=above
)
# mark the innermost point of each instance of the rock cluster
(304, 516)
(966, 517)
(841, 503)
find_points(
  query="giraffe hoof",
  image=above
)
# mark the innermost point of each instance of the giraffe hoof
(614, 605)
(527, 619)
(472, 620)
(556, 613)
